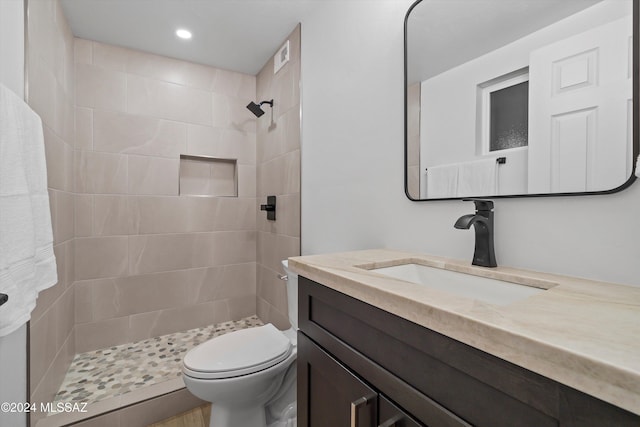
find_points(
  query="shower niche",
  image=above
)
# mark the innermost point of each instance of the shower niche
(208, 176)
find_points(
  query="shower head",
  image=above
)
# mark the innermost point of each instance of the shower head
(255, 108)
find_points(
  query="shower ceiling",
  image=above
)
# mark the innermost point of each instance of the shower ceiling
(238, 35)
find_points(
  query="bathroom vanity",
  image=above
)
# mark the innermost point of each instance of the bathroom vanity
(377, 350)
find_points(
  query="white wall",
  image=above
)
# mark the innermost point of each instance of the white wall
(13, 347)
(352, 165)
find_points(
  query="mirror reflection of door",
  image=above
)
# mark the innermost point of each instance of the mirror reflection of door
(581, 127)
(552, 98)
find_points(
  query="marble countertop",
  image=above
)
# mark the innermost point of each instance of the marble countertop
(579, 332)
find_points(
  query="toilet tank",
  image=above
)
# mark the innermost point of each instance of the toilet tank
(292, 294)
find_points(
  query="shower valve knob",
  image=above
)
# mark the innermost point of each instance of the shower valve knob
(270, 208)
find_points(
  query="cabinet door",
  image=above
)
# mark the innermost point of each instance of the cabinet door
(392, 416)
(328, 394)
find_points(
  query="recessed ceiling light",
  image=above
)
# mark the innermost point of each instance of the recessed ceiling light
(183, 34)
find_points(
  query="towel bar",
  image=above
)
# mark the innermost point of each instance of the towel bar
(499, 160)
(3, 298)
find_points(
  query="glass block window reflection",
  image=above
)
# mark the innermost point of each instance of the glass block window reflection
(509, 117)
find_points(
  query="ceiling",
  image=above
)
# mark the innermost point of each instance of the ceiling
(238, 35)
(241, 35)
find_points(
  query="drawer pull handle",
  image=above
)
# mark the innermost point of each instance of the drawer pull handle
(355, 407)
(391, 422)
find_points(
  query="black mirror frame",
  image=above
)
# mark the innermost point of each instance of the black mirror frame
(636, 119)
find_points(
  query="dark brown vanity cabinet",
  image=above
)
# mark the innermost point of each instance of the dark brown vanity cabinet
(361, 366)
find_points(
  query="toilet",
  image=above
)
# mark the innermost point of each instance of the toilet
(249, 376)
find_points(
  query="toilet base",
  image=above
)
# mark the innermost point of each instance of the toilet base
(249, 417)
(288, 418)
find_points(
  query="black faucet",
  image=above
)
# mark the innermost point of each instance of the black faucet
(482, 221)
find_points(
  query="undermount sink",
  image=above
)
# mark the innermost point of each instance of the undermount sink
(493, 291)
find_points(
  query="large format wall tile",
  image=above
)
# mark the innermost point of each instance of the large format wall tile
(165, 252)
(234, 84)
(247, 181)
(120, 330)
(43, 345)
(156, 215)
(278, 173)
(111, 215)
(42, 89)
(101, 173)
(49, 382)
(84, 129)
(230, 112)
(98, 257)
(100, 88)
(152, 301)
(137, 294)
(50, 78)
(222, 143)
(177, 319)
(171, 101)
(281, 139)
(125, 133)
(265, 310)
(154, 66)
(272, 289)
(147, 260)
(60, 163)
(63, 215)
(83, 51)
(106, 333)
(153, 175)
(102, 299)
(233, 281)
(83, 215)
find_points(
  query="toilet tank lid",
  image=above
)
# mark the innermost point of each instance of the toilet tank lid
(239, 350)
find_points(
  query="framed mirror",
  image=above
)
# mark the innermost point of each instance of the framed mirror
(514, 98)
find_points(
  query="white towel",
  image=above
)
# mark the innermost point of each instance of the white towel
(27, 262)
(478, 178)
(442, 181)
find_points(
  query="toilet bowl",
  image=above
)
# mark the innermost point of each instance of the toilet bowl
(248, 375)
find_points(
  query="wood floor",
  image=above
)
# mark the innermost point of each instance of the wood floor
(197, 417)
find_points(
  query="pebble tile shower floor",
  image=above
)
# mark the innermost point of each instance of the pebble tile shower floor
(102, 374)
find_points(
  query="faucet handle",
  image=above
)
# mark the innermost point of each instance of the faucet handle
(481, 204)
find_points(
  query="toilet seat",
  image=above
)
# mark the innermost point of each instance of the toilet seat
(238, 353)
